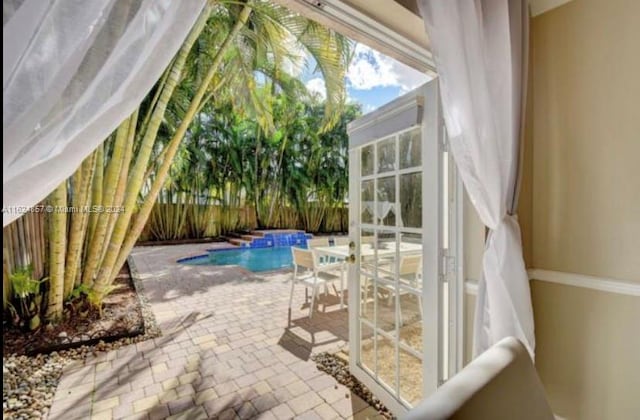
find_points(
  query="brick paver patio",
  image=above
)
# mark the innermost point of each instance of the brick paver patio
(227, 351)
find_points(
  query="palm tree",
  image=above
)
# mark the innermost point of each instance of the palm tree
(100, 258)
(229, 45)
(258, 69)
(122, 241)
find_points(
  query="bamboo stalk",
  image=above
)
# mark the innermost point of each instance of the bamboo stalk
(109, 269)
(79, 220)
(122, 180)
(145, 209)
(57, 244)
(156, 98)
(42, 246)
(94, 252)
(96, 190)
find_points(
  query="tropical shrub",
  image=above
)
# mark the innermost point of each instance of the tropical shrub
(26, 299)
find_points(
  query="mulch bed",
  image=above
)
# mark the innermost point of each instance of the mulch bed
(121, 318)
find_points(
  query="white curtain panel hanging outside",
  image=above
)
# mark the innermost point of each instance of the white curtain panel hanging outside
(73, 70)
(480, 49)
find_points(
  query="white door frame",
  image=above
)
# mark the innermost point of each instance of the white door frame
(437, 263)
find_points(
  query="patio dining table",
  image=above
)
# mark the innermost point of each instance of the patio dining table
(367, 251)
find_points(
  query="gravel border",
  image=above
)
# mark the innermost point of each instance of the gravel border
(29, 382)
(339, 369)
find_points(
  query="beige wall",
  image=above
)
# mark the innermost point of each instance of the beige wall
(586, 138)
(469, 315)
(588, 351)
(580, 205)
(580, 209)
(473, 241)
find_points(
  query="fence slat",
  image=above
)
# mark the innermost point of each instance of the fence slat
(23, 243)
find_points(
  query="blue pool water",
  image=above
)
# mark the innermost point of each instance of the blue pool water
(253, 259)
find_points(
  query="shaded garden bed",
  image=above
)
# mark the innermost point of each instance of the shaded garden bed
(121, 318)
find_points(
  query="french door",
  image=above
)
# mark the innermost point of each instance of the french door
(398, 198)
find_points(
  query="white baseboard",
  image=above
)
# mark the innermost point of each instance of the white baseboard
(602, 284)
(539, 7)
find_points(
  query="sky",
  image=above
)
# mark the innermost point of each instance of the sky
(373, 79)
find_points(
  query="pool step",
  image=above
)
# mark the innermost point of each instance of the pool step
(239, 242)
(269, 238)
(272, 232)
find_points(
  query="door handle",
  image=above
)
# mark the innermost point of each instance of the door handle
(352, 246)
(351, 259)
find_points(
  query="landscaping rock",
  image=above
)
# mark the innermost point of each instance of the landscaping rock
(337, 367)
(29, 382)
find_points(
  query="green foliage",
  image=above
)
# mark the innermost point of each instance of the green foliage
(82, 294)
(23, 284)
(26, 298)
(243, 149)
(79, 291)
(295, 176)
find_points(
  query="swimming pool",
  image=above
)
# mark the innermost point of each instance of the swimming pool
(253, 259)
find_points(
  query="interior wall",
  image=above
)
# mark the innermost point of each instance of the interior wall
(586, 147)
(469, 315)
(473, 241)
(473, 248)
(583, 150)
(579, 207)
(525, 197)
(587, 351)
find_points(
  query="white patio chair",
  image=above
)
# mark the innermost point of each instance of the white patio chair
(308, 271)
(317, 242)
(410, 275)
(340, 240)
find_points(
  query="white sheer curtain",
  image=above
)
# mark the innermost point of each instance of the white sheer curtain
(480, 49)
(72, 71)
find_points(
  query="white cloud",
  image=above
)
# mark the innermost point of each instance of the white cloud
(366, 108)
(370, 69)
(295, 62)
(316, 86)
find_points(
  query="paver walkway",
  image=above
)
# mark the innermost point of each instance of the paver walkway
(227, 351)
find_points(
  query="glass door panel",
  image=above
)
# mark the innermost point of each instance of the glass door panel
(410, 149)
(411, 200)
(395, 220)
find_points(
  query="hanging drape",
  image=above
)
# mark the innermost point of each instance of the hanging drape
(480, 49)
(72, 71)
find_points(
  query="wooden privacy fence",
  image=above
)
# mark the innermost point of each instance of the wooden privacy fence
(23, 244)
(170, 221)
(182, 220)
(24, 241)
